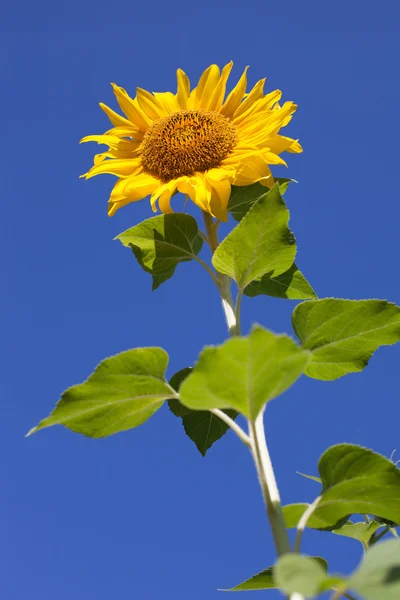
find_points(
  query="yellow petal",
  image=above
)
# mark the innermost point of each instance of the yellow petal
(219, 174)
(163, 193)
(220, 194)
(269, 101)
(183, 88)
(114, 142)
(164, 202)
(131, 108)
(219, 92)
(138, 184)
(128, 132)
(255, 94)
(238, 154)
(252, 169)
(261, 128)
(185, 186)
(121, 167)
(295, 147)
(131, 190)
(273, 159)
(114, 117)
(235, 97)
(203, 193)
(206, 87)
(267, 181)
(149, 105)
(262, 105)
(194, 187)
(168, 101)
(280, 143)
(98, 158)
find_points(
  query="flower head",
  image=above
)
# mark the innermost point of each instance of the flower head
(195, 142)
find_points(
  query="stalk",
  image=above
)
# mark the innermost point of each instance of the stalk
(258, 445)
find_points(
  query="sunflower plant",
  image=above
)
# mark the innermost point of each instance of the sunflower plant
(219, 149)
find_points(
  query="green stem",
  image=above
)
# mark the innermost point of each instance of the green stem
(340, 593)
(303, 523)
(237, 309)
(258, 444)
(207, 268)
(268, 484)
(223, 281)
(234, 426)
(376, 537)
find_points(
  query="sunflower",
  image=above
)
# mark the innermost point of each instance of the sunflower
(195, 142)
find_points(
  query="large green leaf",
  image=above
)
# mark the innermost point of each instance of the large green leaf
(201, 426)
(355, 480)
(292, 514)
(261, 243)
(291, 284)
(244, 197)
(244, 373)
(265, 579)
(305, 575)
(161, 243)
(378, 577)
(123, 391)
(344, 334)
(361, 531)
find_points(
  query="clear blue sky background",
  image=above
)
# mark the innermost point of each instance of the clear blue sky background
(142, 514)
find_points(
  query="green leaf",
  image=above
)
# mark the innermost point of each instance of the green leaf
(358, 531)
(291, 284)
(355, 481)
(261, 581)
(347, 462)
(123, 392)
(311, 477)
(265, 581)
(378, 577)
(262, 242)
(176, 407)
(201, 426)
(298, 573)
(161, 243)
(358, 481)
(293, 512)
(244, 197)
(244, 373)
(344, 334)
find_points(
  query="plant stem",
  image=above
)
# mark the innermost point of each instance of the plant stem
(228, 305)
(377, 537)
(211, 229)
(223, 281)
(256, 438)
(207, 268)
(234, 426)
(303, 523)
(237, 309)
(341, 593)
(268, 484)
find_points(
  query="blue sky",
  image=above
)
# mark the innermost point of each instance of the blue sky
(142, 514)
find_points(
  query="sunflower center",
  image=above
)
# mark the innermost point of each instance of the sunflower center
(185, 142)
